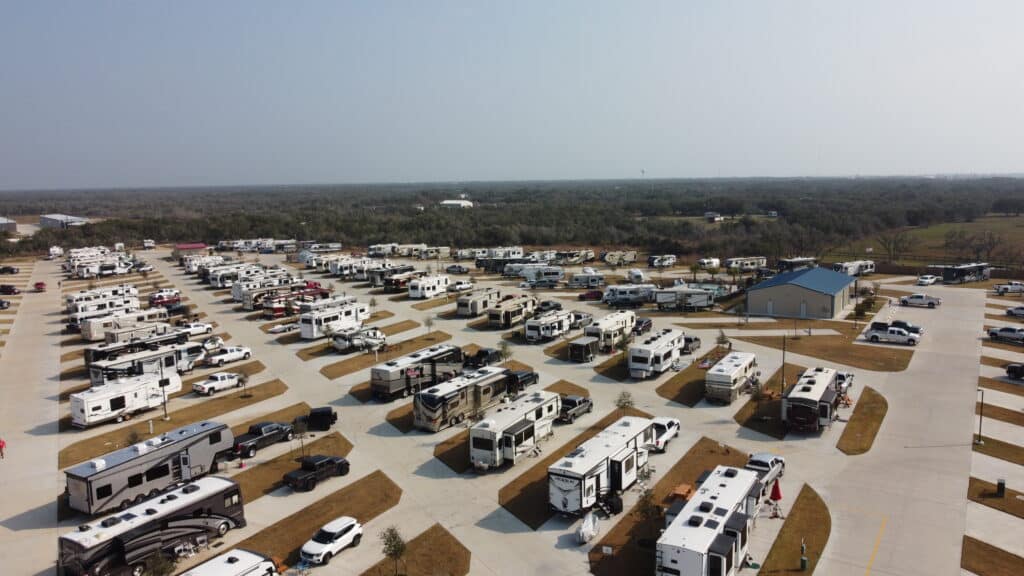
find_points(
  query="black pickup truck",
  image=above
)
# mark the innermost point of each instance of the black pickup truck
(483, 357)
(574, 407)
(518, 380)
(262, 435)
(314, 469)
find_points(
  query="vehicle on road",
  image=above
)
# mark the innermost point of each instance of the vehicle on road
(665, 429)
(460, 286)
(197, 328)
(892, 335)
(574, 407)
(313, 469)
(920, 300)
(228, 354)
(216, 382)
(1016, 311)
(457, 269)
(1011, 287)
(927, 280)
(261, 435)
(548, 306)
(591, 296)
(284, 328)
(1007, 334)
(331, 540)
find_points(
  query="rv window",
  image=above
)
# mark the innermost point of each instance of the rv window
(104, 491)
(215, 438)
(483, 444)
(231, 500)
(628, 464)
(538, 413)
(134, 480)
(667, 570)
(169, 361)
(117, 403)
(822, 410)
(157, 472)
(551, 408)
(96, 408)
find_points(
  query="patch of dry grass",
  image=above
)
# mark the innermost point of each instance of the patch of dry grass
(764, 414)
(454, 452)
(987, 560)
(361, 392)
(262, 479)
(433, 303)
(984, 493)
(996, 362)
(997, 412)
(809, 520)
(566, 388)
(615, 367)
(401, 418)
(686, 387)
(859, 433)
(558, 350)
(318, 350)
(999, 449)
(1007, 387)
(398, 327)
(516, 366)
(841, 348)
(435, 552)
(355, 363)
(1005, 318)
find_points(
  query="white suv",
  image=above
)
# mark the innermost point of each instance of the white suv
(330, 540)
(197, 328)
(217, 382)
(927, 280)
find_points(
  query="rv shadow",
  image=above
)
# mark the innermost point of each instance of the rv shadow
(42, 516)
(386, 430)
(51, 428)
(501, 520)
(437, 470)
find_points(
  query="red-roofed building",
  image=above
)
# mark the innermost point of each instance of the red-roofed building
(188, 248)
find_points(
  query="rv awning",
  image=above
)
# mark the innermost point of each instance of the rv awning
(518, 427)
(829, 396)
(738, 521)
(583, 341)
(722, 545)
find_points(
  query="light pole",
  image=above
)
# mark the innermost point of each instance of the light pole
(981, 417)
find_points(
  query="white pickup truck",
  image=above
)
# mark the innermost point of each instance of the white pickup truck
(893, 335)
(920, 300)
(1011, 287)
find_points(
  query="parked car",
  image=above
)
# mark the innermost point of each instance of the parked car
(313, 469)
(9, 270)
(920, 300)
(580, 319)
(690, 344)
(913, 328)
(893, 335)
(197, 328)
(262, 435)
(665, 429)
(460, 286)
(545, 284)
(165, 298)
(1016, 311)
(144, 268)
(319, 419)
(573, 407)
(1015, 371)
(769, 467)
(642, 326)
(591, 295)
(9, 290)
(228, 354)
(1011, 287)
(457, 269)
(5, 304)
(331, 540)
(216, 382)
(927, 280)
(284, 328)
(482, 357)
(39, 286)
(1007, 334)
(548, 306)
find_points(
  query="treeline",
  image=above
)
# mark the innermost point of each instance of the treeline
(814, 215)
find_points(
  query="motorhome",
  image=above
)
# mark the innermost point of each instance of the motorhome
(611, 328)
(410, 250)
(683, 298)
(656, 354)
(95, 329)
(661, 261)
(192, 264)
(512, 311)
(348, 267)
(378, 276)
(586, 280)
(600, 467)
(465, 396)
(572, 257)
(184, 518)
(708, 263)
(513, 430)
(710, 535)
(547, 326)
(382, 250)
(121, 398)
(236, 562)
(162, 335)
(812, 403)
(519, 268)
(160, 360)
(435, 252)
(796, 263)
(746, 263)
(119, 478)
(544, 273)
(477, 302)
(963, 273)
(629, 294)
(730, 376)
(428, 286)
(400, 282)
(227, 279)
(619, 258)
(322, 322)
(855, 268)
(407, 374)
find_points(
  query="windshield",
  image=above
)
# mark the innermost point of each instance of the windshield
(323, 537)
(431, 401)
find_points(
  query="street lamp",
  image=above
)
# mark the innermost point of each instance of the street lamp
(981, 416)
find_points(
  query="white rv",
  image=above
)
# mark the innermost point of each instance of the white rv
(138, 331)
(435, 252)
(100, 309)
(710, 535)
(103, 302)
(656, 354)
(410, 250)
(543, 273)
(746, 263)
(235, 562)
(629, 294)
(382, 250)
(548, 326)
(730, 376)
(610, 328)
(661, 261)
(813, 402)
(707, 263)
(855, 268)
(683, 298)
(428, 286)
(477, 302)
(95, 329)
(323, 322)
(508, 313)
(607, 463)
(465, 396)
(121, 398)
(163, 359)
(586, 280)
(513, 429)
(104, 293)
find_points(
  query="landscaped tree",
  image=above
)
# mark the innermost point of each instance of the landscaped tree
(243, 379)
(895, 244)
(299, 428)
(505, 349)
(394, 544)
(428, 323)
(714, 270)
(624, 400)
(373, 303)
(694, 268)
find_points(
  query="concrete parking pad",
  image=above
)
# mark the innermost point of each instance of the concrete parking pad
(686, 387)
(844, 349)
(262, 479)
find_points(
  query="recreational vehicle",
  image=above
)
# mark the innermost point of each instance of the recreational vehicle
(746, 263)
(797, 263)
(121, 477)
(465, 396)
(683, 298)
(661, 261)
(322, 322)
(586, 280)
(428, 287)
(477, 302)
(855, 268)
(710, 535)
(730, 376)
(708, 263)
(513, 430)
(547, 326)
(611, 328)
(95, 329)
(607, 463)
(410, 250)
(435, 252)
(101, 309)
(656, 354)
(629, 294)
(543, 273)
(163, 359)
(192, 264)
(619, 258)
(147, 337)
(182, 518)
(121, 398)
(812, 403)
(964, 273)
(104, 304)
(138, 331)
(400, 282)
(235, 562)
(378, 276)
(382, 250)
(407, 374)
(508, 313)
(104, 293)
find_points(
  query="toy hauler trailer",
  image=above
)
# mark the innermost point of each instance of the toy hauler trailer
(547, 326)
(103, 303)
(408, 374)
(510, 312)
(607, 463)
(513, 430)
(855, 268)
(165, 359)
(121, 398)
(586, 280)
(730, 376)
(163, 335)
(655, 355)
(95, 329)
(477, 302)
(323, 322)
(610, 328)
(466, 396)
(812, 403)
(119, 478)
(428, 286)
(683, 298)
(746, 263)
(964, 273)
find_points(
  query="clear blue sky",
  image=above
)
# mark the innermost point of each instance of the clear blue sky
(96, 94)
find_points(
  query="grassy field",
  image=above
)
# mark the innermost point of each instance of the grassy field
(841, 348)
(686, 387)
(860, 431)
(764, 414)
(809, 520)
(987, 560)
(435, 552)
(928, 241)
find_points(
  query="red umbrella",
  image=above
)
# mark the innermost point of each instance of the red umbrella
(776, 492)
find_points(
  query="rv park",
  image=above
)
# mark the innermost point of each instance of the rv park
(894, 450)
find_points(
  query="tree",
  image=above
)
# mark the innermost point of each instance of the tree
(723, 339)
(394, 545)
(299, 427)
(714, 270)
(243, 379)
(373, 303)
(895, 244)
(647, 507)
(161, 564)
(624, 401)
(505, 350)
(986, 244)
(428, 323)
(694, 268)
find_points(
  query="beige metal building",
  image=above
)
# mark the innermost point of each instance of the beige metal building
(810, 293)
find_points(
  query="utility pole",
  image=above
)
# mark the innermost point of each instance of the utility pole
(981, 417)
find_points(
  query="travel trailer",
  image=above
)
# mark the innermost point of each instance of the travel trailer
(512, 311)
(708, 263)
(410, 250)
(476, 302)
(235, 562)
(169, 358)
(407, 374)
(610, 328)
(101, 309)
(138, 331)
(797, 263)
(661, 261)
(378, 276)
(147, 337)
(597, 469)
(106, 303)
(95, 329)
(730, 376)
(382, 250)
(513, 430)
(629, 294)
(711, 534)
(547, 326)
(812, 403)
(544, 273)
(192, 264)
(619, 258)
(322, 322)
(656, 354)
(104, 293)
(466, 396)
(683, 298)
(400, 282)
(428, 287)
(121, 398)
(586, 280)
(855, 268)
(746, 263)
(119, 478)
(435, 252)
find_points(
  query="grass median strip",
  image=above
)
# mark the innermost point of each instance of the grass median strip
(454, 452)
(364, 500)
(996, 362)
(398, 327)
(686, 387)
(558, 350)
(809, 521)
(842, 348)
(860, 432)
(566, 388)
(73, 355)
(526, 497)
(432, 553)
(999, 385)
(401, 418)
(999, 449)
(349, 365)
(139, 429)
(984, 492)
(764, 414)
(262, 479)
(999, 413)
(615, 367)
(987, 560)
(433, 303)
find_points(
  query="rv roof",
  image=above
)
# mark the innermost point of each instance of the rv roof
(722, 491)
(665, 339)
(812, 384)
(417, 357)
(143, 354)
(506, 415)
(732, 363)
(603, 445)
(237, 560)
(118, 457)
(465, 380)
(115, 387)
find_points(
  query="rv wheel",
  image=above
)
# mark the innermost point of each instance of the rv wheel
(222, 528)
(453, 422)
(138, 569)
(120, 418)
(125, 504)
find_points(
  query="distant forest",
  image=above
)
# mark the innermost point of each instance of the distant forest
(815, 216)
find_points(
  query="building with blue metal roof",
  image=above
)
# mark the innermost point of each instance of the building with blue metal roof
(816, 293)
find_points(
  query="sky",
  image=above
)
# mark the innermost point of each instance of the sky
(190, 93)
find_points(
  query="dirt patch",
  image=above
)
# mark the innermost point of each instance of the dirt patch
(614, 367)
(76, 373)
(526, 497)
(517, 366)
(559, 350)
(260, 480)
(433, 303)
(809, 520)
(841, 348)
(361, 392)
(860, 431)
(316, 351)
(997, 362)
(379, 315)
(363, 361)
(73, 355)
(432, 553)
(1005, 318)
(364, 500)
(687, 386)
(454, 452)
(764, 413)
(987, 560)
(207, 410)
(398, 327)
(996, 412)
(999, 449)
(628, 556)
(482, 325)
(452, 314)
(401, 418)
(993, 384)
(566, 388)
(984, 492)
(987, 343)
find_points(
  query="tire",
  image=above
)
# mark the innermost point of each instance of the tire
(125, 504)
(209, 329)
(215, 467)
(209, 392)
(139, 499)
(572, 418)
(590, 409)
(223, 528)
(453, 422)
(246, 356)
(120, 418)
(251, 452)
(288, 437)
(220, 363)
(356, 540)
(912, 343)
(874, 339)
(327, 559)
(138, 569)
(931, 304)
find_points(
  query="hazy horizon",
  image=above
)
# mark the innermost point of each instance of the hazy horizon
(114, 95)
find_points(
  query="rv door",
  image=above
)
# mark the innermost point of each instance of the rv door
(185, 464)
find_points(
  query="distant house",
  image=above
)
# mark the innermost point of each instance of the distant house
(60, 221)
(808, 293)
(182, 250)
(456, 204)
(8, 225)
(773, 214)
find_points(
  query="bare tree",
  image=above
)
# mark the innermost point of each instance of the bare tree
(624, 401)
(986, 244)
(895, 244)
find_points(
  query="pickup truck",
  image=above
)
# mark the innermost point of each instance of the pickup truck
(690, 344)
(1015, 371)
(1011, 287)
(573, 407)
(1007, 334)
(920, 300)
(892, 334)
(262, 435)
(482, 357)
(313, 469)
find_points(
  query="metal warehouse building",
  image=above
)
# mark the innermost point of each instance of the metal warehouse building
(809, 293)
(7, 225)
(60, 221)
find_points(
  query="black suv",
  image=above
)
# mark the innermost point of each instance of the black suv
(9, 289)
(483, 357)
(643, 326)
(313, 469)
(548, 306)
(8, 270)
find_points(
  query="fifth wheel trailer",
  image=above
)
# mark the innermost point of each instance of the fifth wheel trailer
(407, 374)
(477, 302)
(548, 326)
(656, 354)
(121, 398)
(730, 376)
(812, 403)
(451, 402)
(513, 430)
